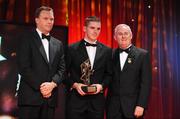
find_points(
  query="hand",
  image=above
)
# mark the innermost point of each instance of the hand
(47, 96)
(99, 88)
(46, 88)
(78, 86)
(138, 111)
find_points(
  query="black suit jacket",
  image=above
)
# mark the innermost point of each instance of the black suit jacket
(131, 86)
(76, 55)
(35, 69)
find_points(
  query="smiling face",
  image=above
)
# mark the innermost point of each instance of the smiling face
(92, 30)
(123, 35)
(45, 21)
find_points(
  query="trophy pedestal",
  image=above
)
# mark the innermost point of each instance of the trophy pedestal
(89, 89)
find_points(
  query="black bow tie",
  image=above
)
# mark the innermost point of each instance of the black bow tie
(90, 44)
(47, 37)
(125, 50)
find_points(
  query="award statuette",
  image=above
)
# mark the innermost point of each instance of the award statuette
(85, 77)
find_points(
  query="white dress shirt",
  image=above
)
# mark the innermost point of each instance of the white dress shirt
(122, 57)
(45, 43)
(91, 51)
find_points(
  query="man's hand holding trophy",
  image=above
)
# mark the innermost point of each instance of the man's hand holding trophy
(85, 77)
(86, 88)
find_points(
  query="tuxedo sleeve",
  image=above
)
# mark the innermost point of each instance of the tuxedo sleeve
(146, 80)
(68, 82)
(108, 69)
(24, 63)
(59, 76)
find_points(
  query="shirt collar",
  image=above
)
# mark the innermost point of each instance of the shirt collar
(40, 33)
(90, 41)
(127, 47)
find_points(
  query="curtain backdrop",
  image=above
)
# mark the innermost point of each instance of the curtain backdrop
(155, 27)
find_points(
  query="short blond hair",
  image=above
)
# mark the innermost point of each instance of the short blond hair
(91, 19)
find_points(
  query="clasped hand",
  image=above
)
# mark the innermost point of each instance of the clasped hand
(46, 89)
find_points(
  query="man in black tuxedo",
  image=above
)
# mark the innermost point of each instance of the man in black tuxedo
(130, 88)
(41, 65)
(88, 103)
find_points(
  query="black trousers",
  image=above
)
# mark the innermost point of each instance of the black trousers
(114, 110)
(76, 114)
(78, 107)
(36, 112)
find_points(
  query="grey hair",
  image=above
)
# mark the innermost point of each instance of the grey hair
(122, 25)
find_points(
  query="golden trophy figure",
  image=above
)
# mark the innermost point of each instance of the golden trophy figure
(85, 77)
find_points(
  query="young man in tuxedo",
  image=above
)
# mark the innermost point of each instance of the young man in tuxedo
(41, 64)
(130, 88)
(88, 74)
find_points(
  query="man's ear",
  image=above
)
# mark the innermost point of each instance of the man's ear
(115, 38)
(131, 35)
(84, 28)
(36, 20)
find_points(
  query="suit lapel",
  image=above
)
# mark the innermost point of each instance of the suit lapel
(82, 51)
(131, 58)
(52, 50)
(39, 45)
(116, 60)
(98, 54)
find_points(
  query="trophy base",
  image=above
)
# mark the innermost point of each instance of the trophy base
(89, 89)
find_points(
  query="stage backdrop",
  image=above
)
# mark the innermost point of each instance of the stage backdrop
(9, 77)
(155, 25)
